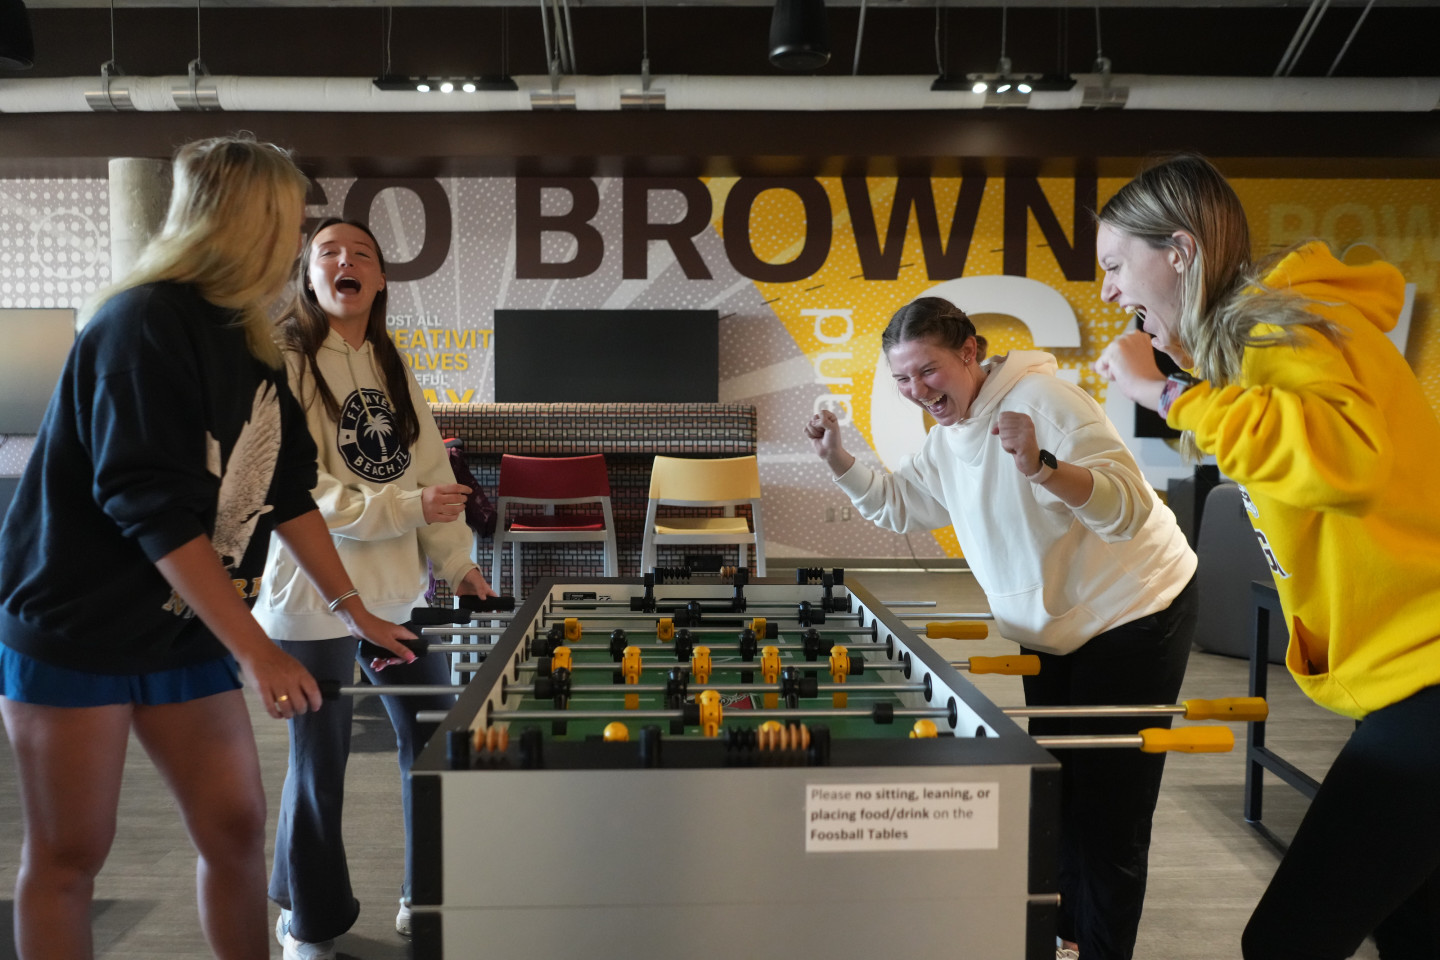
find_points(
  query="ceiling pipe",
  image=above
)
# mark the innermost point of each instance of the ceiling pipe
(679, 92)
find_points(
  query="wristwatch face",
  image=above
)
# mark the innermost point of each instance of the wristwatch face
(1048, 459)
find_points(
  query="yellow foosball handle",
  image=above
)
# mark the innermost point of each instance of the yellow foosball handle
(957, 630)
(1227, 708)
(1015, 665)
(1187, 740)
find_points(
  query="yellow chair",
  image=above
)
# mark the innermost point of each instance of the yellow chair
(683, 482)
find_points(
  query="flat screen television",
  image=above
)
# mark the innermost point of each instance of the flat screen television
(36, 343)
(607, 356)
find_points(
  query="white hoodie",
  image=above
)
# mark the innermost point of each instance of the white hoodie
(369, 494)
(1055, 575)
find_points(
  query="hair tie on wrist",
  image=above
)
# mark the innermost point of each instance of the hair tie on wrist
(335, 604)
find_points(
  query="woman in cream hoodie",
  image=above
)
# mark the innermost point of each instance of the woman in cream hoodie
(390, 499)
(1081, 563)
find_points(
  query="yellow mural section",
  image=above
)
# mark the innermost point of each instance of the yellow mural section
(1399, 218)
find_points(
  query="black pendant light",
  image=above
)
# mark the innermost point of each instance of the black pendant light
(799, 35)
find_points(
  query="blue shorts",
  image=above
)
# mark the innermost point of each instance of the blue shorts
(27, 680)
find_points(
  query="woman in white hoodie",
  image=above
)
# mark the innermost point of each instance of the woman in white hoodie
(1082, 566)
(390, 499)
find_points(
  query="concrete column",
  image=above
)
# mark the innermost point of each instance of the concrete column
(139, 195)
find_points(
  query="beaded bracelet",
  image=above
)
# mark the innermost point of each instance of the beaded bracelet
(1175, 384)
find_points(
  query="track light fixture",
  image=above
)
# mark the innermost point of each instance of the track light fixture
(443, 84)
(799, 35)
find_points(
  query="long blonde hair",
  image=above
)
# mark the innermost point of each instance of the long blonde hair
(1222, 295)
(232, 229)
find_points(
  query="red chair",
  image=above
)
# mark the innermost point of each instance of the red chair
(550, 482)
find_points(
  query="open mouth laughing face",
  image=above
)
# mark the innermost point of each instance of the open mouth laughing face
(345, 271)
(936, 378)
(1143, 280)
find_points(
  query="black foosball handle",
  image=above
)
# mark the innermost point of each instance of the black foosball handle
(468, 601)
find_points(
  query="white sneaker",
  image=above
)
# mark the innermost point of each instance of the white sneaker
(1065, 953)
(282, 926)
(402, 919)
(300, 950)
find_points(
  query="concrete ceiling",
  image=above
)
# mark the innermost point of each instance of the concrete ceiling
(1249, 38)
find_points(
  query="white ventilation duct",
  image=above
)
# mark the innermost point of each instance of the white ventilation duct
(359, 94)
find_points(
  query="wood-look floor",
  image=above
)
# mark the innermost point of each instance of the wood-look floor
(1207, 866)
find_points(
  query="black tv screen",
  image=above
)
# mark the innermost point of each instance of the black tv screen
(607, 356)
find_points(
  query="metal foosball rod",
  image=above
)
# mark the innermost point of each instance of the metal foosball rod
(420, 647)
(334, 689)
(822, 689)
(963, 615)
(1025, 664)
(790, 621)
(1153, 740)
(665, 628)
(460, 631)
(1240, 709)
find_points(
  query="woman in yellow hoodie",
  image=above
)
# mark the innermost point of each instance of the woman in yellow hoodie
(1308, 406)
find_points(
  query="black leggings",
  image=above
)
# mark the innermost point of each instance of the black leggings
(1107, 796)
(1366, 858)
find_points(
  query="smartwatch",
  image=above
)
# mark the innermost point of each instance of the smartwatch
(1048, 463)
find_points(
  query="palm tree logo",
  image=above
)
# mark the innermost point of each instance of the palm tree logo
(368, 437)
(378, 426)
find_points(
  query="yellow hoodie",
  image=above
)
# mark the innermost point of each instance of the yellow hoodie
(1338, 453)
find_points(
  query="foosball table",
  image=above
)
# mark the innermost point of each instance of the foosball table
(643, 769)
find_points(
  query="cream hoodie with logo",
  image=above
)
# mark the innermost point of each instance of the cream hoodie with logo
(369, 494)
(1055, 575)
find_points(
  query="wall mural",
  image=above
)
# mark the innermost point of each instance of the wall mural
(804, 272)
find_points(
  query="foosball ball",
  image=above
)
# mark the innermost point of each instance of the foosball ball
(651, 768)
